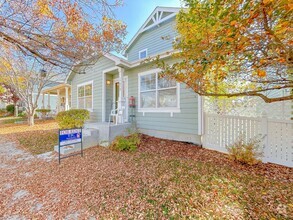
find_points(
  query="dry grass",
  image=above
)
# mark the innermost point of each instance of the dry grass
(37, 139)
(38, 142)
(19, 128)
(162, 180)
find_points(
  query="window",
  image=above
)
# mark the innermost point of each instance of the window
(143, 54)
(85, 96)
(157, 93)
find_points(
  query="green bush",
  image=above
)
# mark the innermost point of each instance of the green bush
(245, 152)
(10, 108)
(74, 118)
(129, 143)
(43, 110)
(22, 114)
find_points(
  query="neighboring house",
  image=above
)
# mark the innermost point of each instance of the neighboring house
(45, 100)
(2, 105)
(164, 108)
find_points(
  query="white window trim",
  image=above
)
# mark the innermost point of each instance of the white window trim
(84, 84)
(139, 52)
(170, 110)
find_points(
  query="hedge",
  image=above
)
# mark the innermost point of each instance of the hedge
(74, 118)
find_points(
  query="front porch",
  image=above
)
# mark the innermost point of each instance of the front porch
(115, 96)
(63, 93)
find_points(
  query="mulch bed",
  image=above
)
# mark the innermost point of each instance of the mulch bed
(183, 150)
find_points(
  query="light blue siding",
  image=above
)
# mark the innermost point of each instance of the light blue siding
(152, 40)
(166, 125)
(93, 73)
(184, 122)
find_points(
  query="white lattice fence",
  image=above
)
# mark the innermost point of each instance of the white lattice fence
(248, 107)
(279, 146)
(223, 130)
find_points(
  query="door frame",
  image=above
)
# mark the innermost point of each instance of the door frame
(125, 78)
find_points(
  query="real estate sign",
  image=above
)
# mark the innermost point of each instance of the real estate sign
(70, 136)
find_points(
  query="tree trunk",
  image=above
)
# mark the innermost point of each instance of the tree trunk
(15, 110)
(31, 118)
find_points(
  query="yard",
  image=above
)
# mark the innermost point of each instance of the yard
(37, 140)
(162, 180)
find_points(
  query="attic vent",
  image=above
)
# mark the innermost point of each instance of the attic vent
(149, 23)
(165, 14)
(156, 18)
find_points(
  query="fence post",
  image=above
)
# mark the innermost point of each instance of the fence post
(264, 133)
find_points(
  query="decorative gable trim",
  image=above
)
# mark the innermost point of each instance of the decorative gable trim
(159, 15)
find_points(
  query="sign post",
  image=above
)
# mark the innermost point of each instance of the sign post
(68, 137)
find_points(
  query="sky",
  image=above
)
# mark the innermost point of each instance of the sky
(135, 12)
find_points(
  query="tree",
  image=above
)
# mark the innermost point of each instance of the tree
(60, 32)
(26, 82)
(9, 95)
(52, 35)
(235, 48)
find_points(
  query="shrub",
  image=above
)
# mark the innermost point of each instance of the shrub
(74, 118)
(10, 108)
(22, 114)
(245, 152)
(43, 110)
(129, 143)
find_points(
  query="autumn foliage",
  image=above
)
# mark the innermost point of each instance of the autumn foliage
(235, 48)
(60, 32)
(51, 36)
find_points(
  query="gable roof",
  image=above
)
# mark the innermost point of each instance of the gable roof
(117, 60)
(159, 15)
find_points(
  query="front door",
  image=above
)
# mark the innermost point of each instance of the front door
(116, 88)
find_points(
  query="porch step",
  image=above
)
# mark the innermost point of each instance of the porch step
(97, 133)
(108, 132)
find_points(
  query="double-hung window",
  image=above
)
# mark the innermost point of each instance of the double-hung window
(158, 94)
(85, 96)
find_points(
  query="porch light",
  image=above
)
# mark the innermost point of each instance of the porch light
(108, 82)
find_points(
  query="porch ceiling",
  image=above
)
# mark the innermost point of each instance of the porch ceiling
(112, 72)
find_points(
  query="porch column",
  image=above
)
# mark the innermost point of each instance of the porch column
(58, 100)
(43, 101)
(66, 99)
(49, 103)
(121, 107)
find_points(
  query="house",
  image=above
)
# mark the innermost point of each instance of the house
(163, 108)
(54, 97)
(107, 86)
(2, 105)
